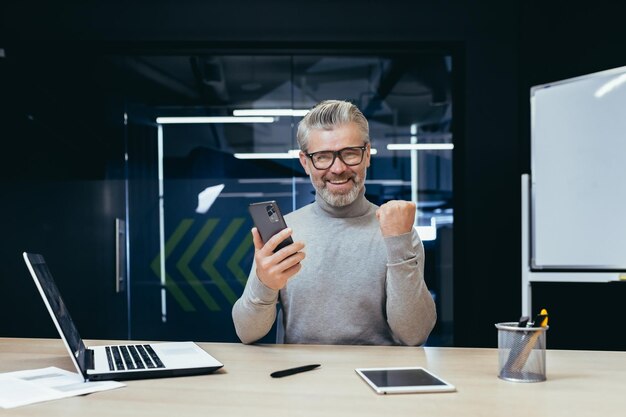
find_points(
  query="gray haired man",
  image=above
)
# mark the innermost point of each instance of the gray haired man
(362, 281)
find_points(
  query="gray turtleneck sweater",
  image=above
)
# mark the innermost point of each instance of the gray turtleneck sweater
(355, 287)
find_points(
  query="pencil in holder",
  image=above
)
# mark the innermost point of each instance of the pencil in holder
(521, 352)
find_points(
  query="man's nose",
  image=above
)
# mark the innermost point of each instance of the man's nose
(338, 166)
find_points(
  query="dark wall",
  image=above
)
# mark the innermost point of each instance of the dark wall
(560, 40)
(504, 48)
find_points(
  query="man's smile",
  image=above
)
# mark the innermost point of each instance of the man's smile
(336, 182)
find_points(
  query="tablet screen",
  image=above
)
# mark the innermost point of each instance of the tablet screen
(414, 379)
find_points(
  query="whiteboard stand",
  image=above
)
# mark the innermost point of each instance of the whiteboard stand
(529, 276)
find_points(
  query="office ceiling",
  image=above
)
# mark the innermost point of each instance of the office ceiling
(394, 92)
(399, 91)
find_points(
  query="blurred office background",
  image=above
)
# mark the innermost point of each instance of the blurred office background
(119, 201)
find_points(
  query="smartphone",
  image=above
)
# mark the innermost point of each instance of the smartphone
(269, 221)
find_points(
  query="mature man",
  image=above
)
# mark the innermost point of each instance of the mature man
(363, 278)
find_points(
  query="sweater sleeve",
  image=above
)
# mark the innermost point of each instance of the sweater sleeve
(411, 312)
(255, 311)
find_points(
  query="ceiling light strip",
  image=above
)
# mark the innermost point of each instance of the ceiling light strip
(266, 155)
(270, 112)
(293, 153)
(213, 119)
(420, 146)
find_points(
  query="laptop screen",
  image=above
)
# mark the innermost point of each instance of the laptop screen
(57, 307)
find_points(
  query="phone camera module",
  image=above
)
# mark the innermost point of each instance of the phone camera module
(271, 213)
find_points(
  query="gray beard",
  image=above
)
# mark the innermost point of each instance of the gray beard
(341, 200)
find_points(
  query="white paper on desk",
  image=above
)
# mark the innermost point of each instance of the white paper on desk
(37, 385)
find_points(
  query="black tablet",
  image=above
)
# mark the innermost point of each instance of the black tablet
(403, 380)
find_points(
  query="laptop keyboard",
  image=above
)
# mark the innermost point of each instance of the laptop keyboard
(132, 357)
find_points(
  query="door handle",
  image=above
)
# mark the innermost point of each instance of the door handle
(120, 255)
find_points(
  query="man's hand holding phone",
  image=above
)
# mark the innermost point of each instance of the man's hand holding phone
(275, 268)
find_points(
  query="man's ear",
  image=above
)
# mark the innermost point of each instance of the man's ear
(303, 162)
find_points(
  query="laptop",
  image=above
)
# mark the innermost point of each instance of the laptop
(127, 361)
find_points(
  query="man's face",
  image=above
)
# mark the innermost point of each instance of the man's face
(340, 184)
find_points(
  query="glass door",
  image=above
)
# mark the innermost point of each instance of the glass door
(209, 134)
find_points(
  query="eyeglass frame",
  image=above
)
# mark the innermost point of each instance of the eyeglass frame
(338, 154)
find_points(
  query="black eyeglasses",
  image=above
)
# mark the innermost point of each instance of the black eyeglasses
(350, 156)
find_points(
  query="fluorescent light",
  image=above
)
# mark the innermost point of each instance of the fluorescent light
(293, 153)
(420, 146)
(610, 85)
(270, 112)
(261, 155)
(215, 119)
(268, 155)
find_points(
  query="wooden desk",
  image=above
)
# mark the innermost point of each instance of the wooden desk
(580, 383)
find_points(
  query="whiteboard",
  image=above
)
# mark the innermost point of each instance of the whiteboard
(578, 173)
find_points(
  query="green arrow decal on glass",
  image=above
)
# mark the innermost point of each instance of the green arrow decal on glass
(183, 265)
(214, 254)
(170, 284)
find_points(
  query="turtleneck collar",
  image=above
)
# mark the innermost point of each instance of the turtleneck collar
(357, 208)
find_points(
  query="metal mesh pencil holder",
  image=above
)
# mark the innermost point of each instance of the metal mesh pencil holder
(521, 352)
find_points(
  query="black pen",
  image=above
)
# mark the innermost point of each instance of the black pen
(523, 321)
(292, 371)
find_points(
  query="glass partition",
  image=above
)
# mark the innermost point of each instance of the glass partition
(208, 134)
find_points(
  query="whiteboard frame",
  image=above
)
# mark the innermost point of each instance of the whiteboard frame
(619, 267)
